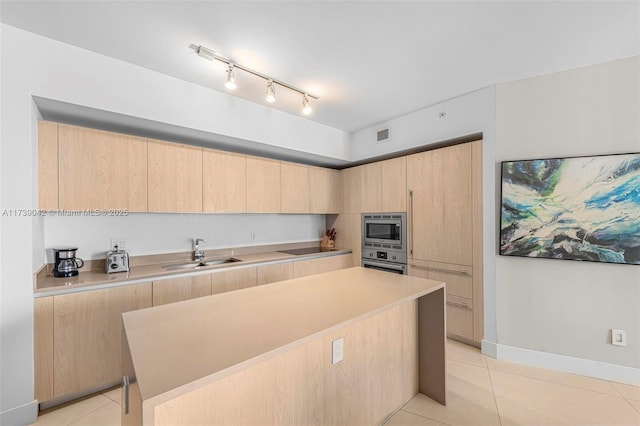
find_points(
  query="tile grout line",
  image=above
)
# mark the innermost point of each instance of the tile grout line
(562, 384)
(109, 400)
(632, 406)
(493, 391)
(425, 417)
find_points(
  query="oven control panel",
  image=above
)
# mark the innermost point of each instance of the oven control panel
(386, 255)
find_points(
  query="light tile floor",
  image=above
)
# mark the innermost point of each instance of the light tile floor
(481, 391)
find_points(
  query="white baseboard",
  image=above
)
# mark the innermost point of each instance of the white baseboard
(568, 364)
(20, 416)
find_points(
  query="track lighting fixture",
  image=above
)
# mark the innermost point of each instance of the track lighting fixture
(306, 108)
(230, 82)
(271, 92)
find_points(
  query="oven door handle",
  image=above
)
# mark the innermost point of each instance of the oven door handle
(381, 265)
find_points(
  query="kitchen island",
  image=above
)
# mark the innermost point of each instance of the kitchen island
(263, 355)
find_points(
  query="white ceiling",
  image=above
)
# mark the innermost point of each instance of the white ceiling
(369, 61)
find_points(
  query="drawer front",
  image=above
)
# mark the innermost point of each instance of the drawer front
(459, 280)
(460, 317)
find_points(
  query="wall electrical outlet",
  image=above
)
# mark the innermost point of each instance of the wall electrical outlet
(253, 236)
(337, 353)
(618, 337)
(117, 242)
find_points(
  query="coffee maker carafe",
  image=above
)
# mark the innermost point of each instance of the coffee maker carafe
(66, 264)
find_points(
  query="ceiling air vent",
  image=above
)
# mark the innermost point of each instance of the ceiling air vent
(382, 136)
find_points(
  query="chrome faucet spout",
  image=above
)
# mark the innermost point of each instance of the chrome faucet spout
(198, 254)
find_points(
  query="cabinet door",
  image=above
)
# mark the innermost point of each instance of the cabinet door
(324, 191)
(224, 182)
(440, 206)
(350, 196)
(273, 273)
(88, 336)
(362, 187)
(294, 188)
(101, 170)
(175, 177)
(394, 184)
(43, 348)
(348, 235)
(237, 279)
(47, 165)
(182, 288)
(263, 185)
(303, 268)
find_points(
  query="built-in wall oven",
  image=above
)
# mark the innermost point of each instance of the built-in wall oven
(384, 241)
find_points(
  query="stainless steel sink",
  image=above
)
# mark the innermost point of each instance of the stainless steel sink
(198, 265)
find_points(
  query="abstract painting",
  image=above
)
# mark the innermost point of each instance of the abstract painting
(581, 208)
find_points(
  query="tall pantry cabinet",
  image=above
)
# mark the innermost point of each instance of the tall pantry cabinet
(444, 214)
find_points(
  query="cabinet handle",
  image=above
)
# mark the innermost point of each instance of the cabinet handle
(125, 385)
(448, 271)
(411, 220)
(458, 304)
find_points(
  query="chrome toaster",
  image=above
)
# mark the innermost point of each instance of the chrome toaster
(117, 261)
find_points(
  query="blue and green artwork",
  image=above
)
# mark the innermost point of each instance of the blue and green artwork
(583, 208)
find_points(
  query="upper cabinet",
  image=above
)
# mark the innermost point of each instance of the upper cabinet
(394, 184)
(101, 170)
(362, 188)
(263, 185)
(324, 187)
(175, 177)
(224, 182)
(440, 205)
(294, 188)
(47, 165)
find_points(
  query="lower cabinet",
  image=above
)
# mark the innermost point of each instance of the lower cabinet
(302, 268)
(236, 279)
(460, 307)
(78, 339)
(268, 274)
(182, 288)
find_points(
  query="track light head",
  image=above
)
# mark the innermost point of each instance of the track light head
(306, 107)
(230, 82)
(271, 92)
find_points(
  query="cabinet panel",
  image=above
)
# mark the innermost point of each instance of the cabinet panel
(222, 282)
(362, 188)
(325, 193)
(460, 317)
(47, 165)
(182, 288)
(459, 278)
(224, 182)
(274, 273)
(88, 336)
(294, 188)
(348, 235)
(175, 177)
(43, 348)
(394, 184)
(263, 185)
(303, 268)
(440, 213)
(101, 170)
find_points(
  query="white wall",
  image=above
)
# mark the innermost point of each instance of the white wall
(64, 73)
(153, 233)
(566, 307)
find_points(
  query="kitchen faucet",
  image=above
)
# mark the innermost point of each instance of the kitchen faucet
(197, 253)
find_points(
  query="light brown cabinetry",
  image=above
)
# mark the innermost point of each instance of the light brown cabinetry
(175, 177)
(47, 165)
(263, 185)
(181, 288)
(303, 268)
(440, 210)
(394, 184)
(224, 176)
(273, 273)
(236, 279)
(362, 188)
(325, 195)
(87, 338)
(348, 234)
(101, 170)
(294, 188)
(43, 348)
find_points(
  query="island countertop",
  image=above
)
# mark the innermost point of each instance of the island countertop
(195, 342)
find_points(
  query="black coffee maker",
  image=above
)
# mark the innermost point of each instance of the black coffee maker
(66, 264)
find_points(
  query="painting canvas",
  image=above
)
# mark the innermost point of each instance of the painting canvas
(582, 208)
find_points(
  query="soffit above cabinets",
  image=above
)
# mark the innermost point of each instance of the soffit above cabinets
(368, 61)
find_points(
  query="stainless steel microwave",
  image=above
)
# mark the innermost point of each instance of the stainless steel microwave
(385, 230)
